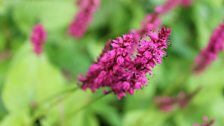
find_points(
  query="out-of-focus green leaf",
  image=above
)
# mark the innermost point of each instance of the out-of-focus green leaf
(209, 100)
(207, 15)
(94, 47)
(108, 114)
(3, 71)
(200, 107)
(81, 118)
(132, 117)
(54, 15)
(1, 3)
(210, 77)
(84, 118)
(183, 120)
(137, 16)
(142, 98)
(72, 111)
(180, 40)
(119, 20)
(16, 119)
(102, 16)
(2, 7)
(217, 111)
(70, 55)
(31, 79)
(144, 118)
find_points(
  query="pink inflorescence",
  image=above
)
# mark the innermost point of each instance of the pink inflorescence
(209, 54)
(151, 21)
(125, 62)
(206, 122)
(186, 3)
(171, 4)
(38, 38)
(82, 20)
(167, 103)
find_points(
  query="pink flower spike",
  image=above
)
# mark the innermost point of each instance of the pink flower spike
(125, 62)
(38, 38)
(165, 103)
(151, 22)
(196, 125)
(210, 53)
(206, 122)
(84, 17)
(186, 3)
(205, 118)
(168, 6)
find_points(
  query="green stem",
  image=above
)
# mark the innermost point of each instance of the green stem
(53, 101)
(87, 104)
(67, 91)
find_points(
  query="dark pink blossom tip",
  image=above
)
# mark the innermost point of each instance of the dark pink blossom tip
(210, 53)
(186, 3)
(167, 6)
(83, 18)
(125, 61)
(206, 122)
(171, 4)
(183, 99)
(150, 22)
(165, 103)
(38, 38)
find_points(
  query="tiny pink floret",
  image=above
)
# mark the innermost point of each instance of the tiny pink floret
(38, 38)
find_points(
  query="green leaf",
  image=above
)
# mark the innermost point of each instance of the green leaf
(207, 16)
(54, 15)
(83, 118)
(144, 118)
(212, 77)
(102, 15)
(72, 111)
(180, 39)
(2, 7)
(31, 79)
(203, 104)
(137, 16)
(141, 98)
(71, 56)
(108, 113)
(95, 48)
(16, 119)
(119, 20)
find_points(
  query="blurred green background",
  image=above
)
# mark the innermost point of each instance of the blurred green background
(26, 79)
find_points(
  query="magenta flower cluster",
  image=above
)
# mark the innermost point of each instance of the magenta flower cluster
(171, 4)
(38, 38)
(210, 53)
(82, 20)
(125, 62)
